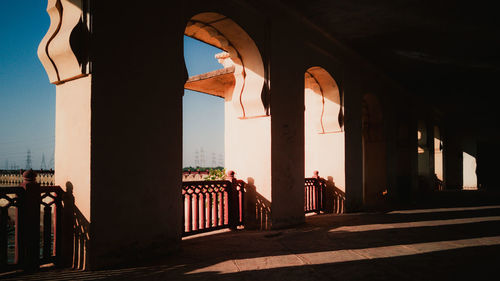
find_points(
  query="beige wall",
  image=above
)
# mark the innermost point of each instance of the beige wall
(469, 174)
(438, 154)
(72, 147)
(324, 138)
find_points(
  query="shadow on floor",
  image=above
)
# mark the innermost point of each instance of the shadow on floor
(433, 244)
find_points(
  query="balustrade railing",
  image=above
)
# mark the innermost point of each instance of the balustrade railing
(11, 200)
(52, 204)
(26, 239)
(314, 195)
(212, 205)
(12, 178)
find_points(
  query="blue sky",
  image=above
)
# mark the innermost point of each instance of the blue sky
(203, 115)
(27, 99)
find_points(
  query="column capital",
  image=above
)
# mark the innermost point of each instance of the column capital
(63, 50)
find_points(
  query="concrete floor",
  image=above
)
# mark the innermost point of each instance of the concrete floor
(422, 244)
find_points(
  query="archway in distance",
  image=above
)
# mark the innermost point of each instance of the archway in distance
(324, 137)
(240, 82)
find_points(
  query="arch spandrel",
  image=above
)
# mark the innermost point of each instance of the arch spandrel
(54, 9)
(62, 50)
(320, 82)
(223, 33)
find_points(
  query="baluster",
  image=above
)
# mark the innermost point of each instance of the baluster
(214, 210)
(202, 210)
(17, 232)
(308, 197)
(4, 214)
(82, 239)
(305, 197)
(241, 199)
(220, 194)
(209, 209)
(57, 230)
(47, 231)
(195, 211)
(188, 213)
(311, 189)
(76, 248)
(226, 206)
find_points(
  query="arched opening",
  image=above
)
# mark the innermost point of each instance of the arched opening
(374, 152)
(239, 82)
(469, 171)
(438, 160)
(203, 114)
(324, 135)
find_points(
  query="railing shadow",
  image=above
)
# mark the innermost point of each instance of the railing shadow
(257, 208)
(334, 197)
(312, 249)
(77, 232)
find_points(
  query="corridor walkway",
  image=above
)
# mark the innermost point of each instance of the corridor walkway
(453, 243)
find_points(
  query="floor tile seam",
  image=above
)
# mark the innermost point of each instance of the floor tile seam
(236, 265)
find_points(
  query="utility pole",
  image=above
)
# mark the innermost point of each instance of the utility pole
(202, 157)
(214, 161)
(196, 158)
(28, 160)
(221, 160)
(43, 166)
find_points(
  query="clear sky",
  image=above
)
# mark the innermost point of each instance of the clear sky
(203, 115)
(27, 99)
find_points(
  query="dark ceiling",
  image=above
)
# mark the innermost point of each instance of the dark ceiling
(445, 52)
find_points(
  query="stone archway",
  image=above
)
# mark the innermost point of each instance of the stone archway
(324, 134)
(246, 121)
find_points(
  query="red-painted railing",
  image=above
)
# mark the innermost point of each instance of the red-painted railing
(212, 205)
(11, 200)
(26, 241)
(51, 200)
(314, 191)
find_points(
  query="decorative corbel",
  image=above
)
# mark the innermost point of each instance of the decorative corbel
(64, 49)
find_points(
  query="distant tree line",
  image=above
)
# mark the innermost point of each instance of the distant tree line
(201, 169)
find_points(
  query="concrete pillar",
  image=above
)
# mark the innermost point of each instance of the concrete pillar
(353, 144)
(488, 153)
(425, 154)
(452, 161)
(402, 144)
(118, 124)
(287, 130)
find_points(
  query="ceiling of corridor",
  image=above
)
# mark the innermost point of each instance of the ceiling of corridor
(446, 52)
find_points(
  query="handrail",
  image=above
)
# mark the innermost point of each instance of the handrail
(20, 224)
(314, 191)
(212, 205)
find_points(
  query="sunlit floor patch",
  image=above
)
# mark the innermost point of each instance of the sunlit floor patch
(370, 227)
(329, 257)
(437, 210)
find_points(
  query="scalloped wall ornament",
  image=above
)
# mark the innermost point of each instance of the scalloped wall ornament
(320, 82)
(63, 50)
(225, 34)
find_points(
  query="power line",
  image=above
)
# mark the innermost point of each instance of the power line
(43, 166)
(28, 160)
